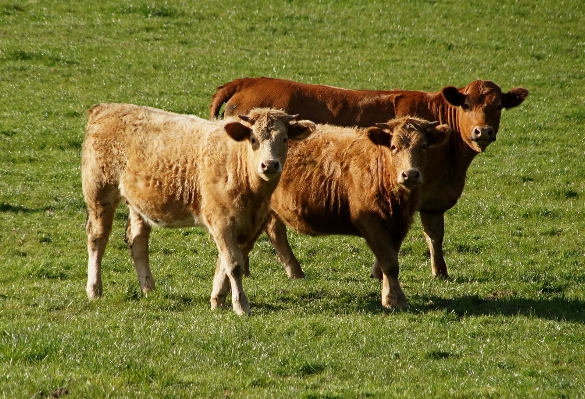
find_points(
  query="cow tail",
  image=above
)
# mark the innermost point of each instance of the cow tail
(222, 96)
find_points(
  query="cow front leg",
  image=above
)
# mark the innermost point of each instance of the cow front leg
(276, 232)
(231, 265)
(434, 230)
(99, 227)
(221, 286)
(137, 235)
(392, 295)
(386, 252)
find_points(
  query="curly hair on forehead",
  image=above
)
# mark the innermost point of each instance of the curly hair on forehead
(482, 87)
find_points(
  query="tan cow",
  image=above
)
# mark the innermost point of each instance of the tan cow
(180, 170)
(473, 112)
(361, 182)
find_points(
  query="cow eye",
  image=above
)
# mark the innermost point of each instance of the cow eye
(424, 146)
(284, 140)
(465, 107)
(252, 140)
(393, 147)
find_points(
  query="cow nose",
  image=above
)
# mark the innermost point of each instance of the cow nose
(483, 133)
(410, 177)
(270, 166)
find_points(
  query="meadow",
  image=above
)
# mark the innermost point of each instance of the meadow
(509, 323)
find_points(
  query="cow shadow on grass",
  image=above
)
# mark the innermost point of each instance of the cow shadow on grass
(505, 304)
(551, 308)
(5, 207)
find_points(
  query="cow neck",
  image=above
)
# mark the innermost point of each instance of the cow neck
(461, 154)
(258, 187)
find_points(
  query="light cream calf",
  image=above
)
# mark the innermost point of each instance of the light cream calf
(177, 171)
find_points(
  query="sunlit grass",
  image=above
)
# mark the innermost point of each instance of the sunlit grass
(508, 324)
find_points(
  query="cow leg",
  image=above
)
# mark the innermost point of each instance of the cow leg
(434, 230)
(386, 252)
(246, 249)
(231, 264)
(221, 286)
(137, 235)
(376, 270)
(276, 232)
(99, 227)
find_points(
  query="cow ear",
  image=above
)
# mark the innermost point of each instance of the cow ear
(237, 131)
(514, 97)
(453, 96)
(300, 130)
(379, 136)
(437, 135)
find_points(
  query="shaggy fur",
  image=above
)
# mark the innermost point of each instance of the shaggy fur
(179, 170)
(473, 112)
(362, 182)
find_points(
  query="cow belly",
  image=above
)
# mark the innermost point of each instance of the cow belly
(319, 224)
(166, 218)
(161, 210)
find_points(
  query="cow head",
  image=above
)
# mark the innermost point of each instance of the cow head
(480, 107)
(408, 139)
(268, 132)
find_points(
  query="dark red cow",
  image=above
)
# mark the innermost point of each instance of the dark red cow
(473, 112)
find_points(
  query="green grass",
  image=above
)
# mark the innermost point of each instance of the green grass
(510, 323)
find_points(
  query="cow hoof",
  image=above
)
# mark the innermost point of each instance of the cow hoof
(442, 276)
(94, 291)
(147, 290)
(147, 285)
(293, 275)
(218, 302)
(395, 303)
(293, 270)
(241, 305)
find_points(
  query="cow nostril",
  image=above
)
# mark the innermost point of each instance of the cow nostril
(270, 165)
(416, 174)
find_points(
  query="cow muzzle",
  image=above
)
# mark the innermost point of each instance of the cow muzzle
(410, 177)
(270, 168)
(483, 135)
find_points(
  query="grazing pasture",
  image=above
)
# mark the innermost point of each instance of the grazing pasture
(509, 323)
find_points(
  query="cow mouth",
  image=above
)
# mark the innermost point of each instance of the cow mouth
(270, 176)
(410, 184)
(483, 143)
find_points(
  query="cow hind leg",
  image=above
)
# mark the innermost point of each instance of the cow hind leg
(276, 232)
(246, 249)
(434, 230)
(99, 227)
(376, 270)
(137, 235)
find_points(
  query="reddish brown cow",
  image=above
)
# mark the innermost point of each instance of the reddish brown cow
(362, 182)
(473, 112)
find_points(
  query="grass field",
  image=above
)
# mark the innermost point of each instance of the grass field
(510, 322)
